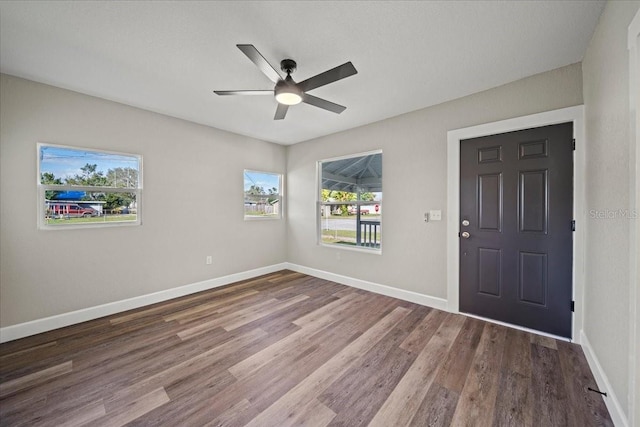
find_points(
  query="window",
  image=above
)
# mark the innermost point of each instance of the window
(350, 201)
(83, 187)
(262, 195)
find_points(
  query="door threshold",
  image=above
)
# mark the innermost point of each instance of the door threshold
(520, 328)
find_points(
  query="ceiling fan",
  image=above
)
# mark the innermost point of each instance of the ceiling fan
(287, 91)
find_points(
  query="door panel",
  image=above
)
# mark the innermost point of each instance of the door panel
(533, 278)
(516, 191)
(533, 149)
(534, 215)
(489, 268)
(490, 202)
(489, 154)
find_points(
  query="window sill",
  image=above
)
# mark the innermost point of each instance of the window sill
(46, 227)
(262, 218)
(360, 249)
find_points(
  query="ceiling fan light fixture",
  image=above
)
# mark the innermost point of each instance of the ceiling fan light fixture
(287, 92)
(288, 98)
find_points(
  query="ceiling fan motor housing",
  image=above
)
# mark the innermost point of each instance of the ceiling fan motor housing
(288, 65)
(287, 91)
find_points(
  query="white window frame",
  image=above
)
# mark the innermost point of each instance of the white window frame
(42, 188)
(280, 196)
(358, 203)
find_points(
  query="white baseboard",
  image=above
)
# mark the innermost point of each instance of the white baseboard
(439, 303)
(33, 327)
(613, 404)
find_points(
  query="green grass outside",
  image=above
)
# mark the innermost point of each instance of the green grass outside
(362, 217)
(341, 236)
(92, 219)
(349, 234)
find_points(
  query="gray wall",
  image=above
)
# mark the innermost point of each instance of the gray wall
(193, 200)
(415, 180)
(199, 169)
(193, 205)
(606, 96)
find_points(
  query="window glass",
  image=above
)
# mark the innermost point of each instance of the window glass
(262, 195)
(86, 187)
(350, 201)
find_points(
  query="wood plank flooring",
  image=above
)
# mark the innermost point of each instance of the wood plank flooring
(288, 349)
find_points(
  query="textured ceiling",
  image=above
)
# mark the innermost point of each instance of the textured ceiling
(168, 57)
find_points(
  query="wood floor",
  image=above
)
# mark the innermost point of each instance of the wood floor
(289, 349)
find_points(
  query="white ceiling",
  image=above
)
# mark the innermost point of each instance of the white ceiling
(168, 57)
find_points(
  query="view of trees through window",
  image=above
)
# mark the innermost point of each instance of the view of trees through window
(80, 186)
(262, 195)
(347, 197)
(350, 201)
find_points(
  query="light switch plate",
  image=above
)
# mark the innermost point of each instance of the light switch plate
(435, 215)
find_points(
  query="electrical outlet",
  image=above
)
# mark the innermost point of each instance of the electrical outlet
(435, 215)
(209, 260)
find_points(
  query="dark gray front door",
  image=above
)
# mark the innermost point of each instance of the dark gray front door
(516, 195)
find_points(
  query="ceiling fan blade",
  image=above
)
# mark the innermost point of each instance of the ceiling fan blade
(255, 57)
(334, 74)
(281, 111)
(243, 92)
(322, 103)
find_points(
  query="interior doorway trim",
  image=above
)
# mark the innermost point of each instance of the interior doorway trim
(633, 44)
(570, 114)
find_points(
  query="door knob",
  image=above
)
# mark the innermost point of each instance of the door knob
(465, 235)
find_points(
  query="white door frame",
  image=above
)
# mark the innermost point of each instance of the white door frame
(634, 198)
(570, 114)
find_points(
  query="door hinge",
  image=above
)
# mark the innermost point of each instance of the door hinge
(573, 225)
(573, 144)
(573, 306)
